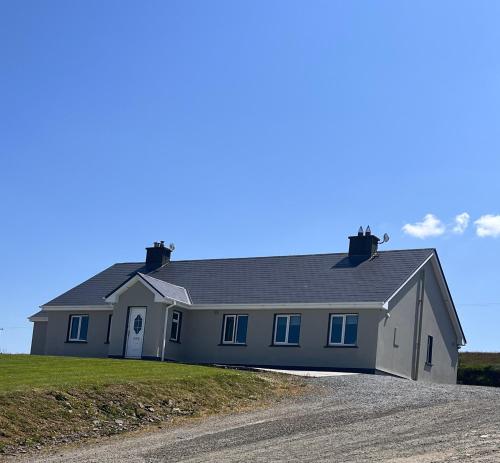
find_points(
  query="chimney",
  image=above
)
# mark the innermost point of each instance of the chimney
(157, 255)
(363, 246)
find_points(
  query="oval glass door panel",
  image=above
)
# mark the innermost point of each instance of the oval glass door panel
(138, 324)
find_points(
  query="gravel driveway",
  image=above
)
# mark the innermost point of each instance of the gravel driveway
(347, 418)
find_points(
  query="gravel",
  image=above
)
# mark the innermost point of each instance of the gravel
(358, 418)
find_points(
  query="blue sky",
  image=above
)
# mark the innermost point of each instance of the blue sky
(242, 129)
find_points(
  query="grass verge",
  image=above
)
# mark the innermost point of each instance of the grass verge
(479, 368)
(52, 400)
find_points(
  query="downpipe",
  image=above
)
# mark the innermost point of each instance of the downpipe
(418, 325)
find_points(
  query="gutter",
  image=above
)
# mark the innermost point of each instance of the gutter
(38, 319)
(92, 308)
(291, 306)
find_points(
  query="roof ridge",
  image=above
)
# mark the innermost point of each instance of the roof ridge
(279, 255)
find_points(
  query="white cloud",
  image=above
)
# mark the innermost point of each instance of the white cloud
(461, 223)
(488, 225)
(430, 226)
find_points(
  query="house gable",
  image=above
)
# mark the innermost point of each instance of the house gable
(433, 259)
(162, 291)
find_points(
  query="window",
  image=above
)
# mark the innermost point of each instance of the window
(234, 329)
(286, 329)
(78, 327)
(395, 341)
(343, 330)
(175, 329)
(430, 341)
(109, 329)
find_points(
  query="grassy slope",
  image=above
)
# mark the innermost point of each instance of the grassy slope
(479, 368)
(60, 399)
(480, 358)
(18, 372)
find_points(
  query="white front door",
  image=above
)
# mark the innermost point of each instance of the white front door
(135, 334)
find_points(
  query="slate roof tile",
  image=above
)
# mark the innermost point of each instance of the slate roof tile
(255, 280)
(168, 290)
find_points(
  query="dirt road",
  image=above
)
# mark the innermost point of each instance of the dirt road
(360, 418)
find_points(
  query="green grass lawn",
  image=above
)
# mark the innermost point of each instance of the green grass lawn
(18, 372)
(47, 400)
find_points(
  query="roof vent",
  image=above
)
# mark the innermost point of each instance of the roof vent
(157, 255)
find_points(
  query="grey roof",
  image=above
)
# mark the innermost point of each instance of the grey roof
(92, 291)
(280, 279)
(40, 313)
(168, 290)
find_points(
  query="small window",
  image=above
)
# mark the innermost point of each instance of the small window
(430, 341)
(175, 330)
(286, 329)
(343, 330)
(109, 328)
(234, 329)
(78, 327)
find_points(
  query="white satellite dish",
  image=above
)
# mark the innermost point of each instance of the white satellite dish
(385, 239)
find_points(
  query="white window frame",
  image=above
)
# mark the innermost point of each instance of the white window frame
(80, 317)
(235, 329)
(287, 316)
(342, 339)
(178, 325)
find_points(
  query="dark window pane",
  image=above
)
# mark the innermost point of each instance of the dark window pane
(110, 317)
(294, 330)
(173, 330)
(336, 335)
(281, 329)
(241, 329)
(228, 333)
(351, 329)
(176, 325)
(74, 327)
(179, 325)
(429, 349)
(83, 328)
